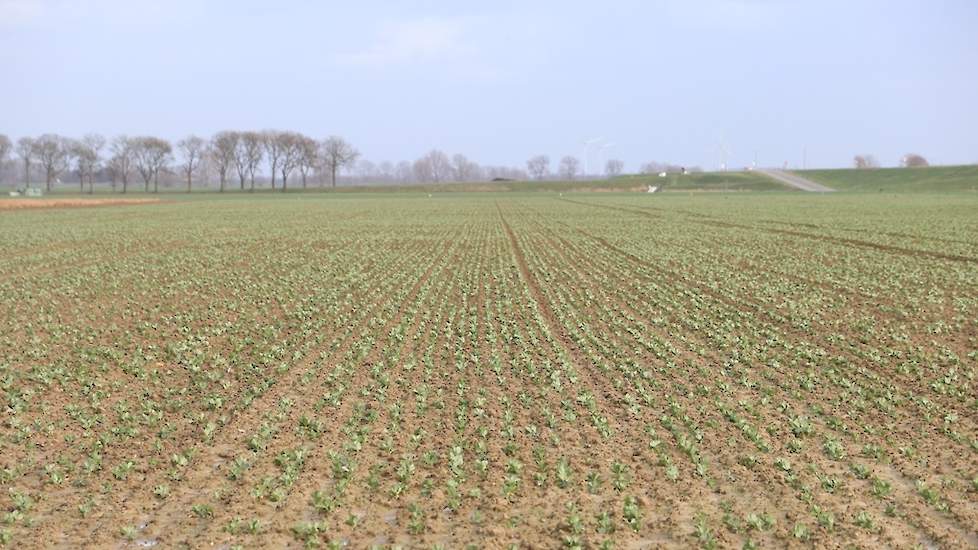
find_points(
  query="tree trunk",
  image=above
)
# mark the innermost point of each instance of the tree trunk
(156, 182)
(332, 171)
(274, 167)
(285, 181)
(27, 173)
(190, 180)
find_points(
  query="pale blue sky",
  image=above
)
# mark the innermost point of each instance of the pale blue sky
(501, 81)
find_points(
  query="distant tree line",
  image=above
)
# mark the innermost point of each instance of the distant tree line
(910, 160)
(243, 160)
(228, 157)
(865, 161)
(248, 159)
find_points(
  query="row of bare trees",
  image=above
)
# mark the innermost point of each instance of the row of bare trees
(285, 153)
(240, 156)
(568, 167)
(435, 166)
(245, 157)
(229, 154)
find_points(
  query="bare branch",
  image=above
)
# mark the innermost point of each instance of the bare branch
(192, 150)
(569, 167)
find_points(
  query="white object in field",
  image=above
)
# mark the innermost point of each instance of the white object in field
(429, 195)
(33, 192)
(653, 188)
(15, 193)
(662, 174)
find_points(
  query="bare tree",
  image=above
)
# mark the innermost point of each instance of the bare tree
(385, 170)
(421, 169)
(239, 158)
(291, 149)
(25, 150)
(52, 152)
(273, 149)
(403, 171)
(865, 162)
(434, 167)
(151, 155)
(913, 160)
(192, 150)
(87, 153)
(367, 170)
(254, 148)
(538, 166)
(95, 144)
(568, 167)
(120, 164)
(221, 151)
(613, 168)
(336, 154)
(463, 169)
(308, 157)
(441, 167)
(5, 147)
(75, 155)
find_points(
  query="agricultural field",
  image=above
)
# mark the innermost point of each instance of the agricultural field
(598, 370)
(900, 180)
(696, 181)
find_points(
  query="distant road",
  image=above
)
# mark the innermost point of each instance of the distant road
(795, 180)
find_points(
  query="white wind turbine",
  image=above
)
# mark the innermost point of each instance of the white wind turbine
(587, 151)
(601, 151)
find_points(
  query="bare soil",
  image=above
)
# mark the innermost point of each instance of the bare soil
(30, 204)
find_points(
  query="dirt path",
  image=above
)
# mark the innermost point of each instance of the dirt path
(794, 180)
